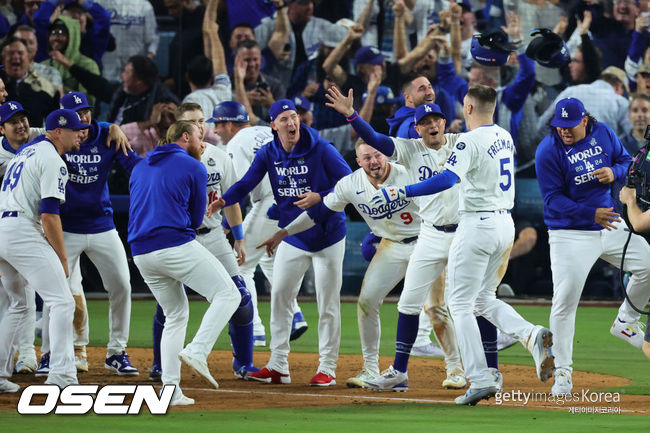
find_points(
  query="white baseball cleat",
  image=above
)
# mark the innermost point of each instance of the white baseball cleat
(427, 350)
(498, 377)
(359, 380)
(474, 395)
(632, 332)
(198, 365)
(455, 380)
(541, 340)
(8, 387)
(563, 384)
(179, 399)
(389, 380)
(26, 366)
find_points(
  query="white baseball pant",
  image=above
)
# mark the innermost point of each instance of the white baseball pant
(25, 255)
(290, 265)
(573, 253)
(482, 242)
(426, 265)
(165, 271)
(27, 327)
(216, 242)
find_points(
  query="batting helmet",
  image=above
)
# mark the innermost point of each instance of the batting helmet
(548, 49)
(229, 111)
(491, 49)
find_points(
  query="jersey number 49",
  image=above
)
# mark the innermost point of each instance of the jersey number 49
(13, 174)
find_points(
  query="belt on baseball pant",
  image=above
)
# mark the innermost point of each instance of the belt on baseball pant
(500, 211)
(409, 240)
(449, 228)
(203, 231)
(9, 214)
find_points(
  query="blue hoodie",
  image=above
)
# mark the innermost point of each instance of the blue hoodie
(313, 165)
(168, 199)
(571, 195)
(87, 208)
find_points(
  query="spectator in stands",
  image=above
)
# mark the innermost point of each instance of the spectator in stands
(133, 99)
(639, 50)
(63, 45)
(37, 95)
(31, 6)
(50, 73)
(240, 32)
(639, 116)
(146, 134)
(612, 33)
(416, 90)
(307, 34)
(261, 89)
(643, 79)
(134, 27)
(187, 42)
(587, 61)
(94, 24)
(602, 98)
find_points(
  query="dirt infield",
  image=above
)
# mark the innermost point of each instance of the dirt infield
(425, 377)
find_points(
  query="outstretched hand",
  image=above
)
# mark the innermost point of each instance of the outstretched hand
(115, 135)
(272, 243)
(215, 206)
(339, 102)
(606, 217)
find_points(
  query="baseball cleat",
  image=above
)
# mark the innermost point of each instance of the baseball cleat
(562, 385)
(198, 365)
(259, 340)
(498, 377)
(322, 379)
(268, 375)
(241, 371)
(180, 399)
(455, 380)
(427, 350)
(44, 366)
(542, 340)
(359, 380)
(474, 395)
(298, 326)
(389, 380)
(81, 363)
(26, 366)
(120, 364)
(632, 332)
(155, 374)
(8, 387)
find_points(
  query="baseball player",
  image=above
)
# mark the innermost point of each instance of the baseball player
(243, 141)
(87, 219)
(32, 247)
(576, 164)
(422, 158)
(299, 163)
(221, 175)
(168, 202)
(482, 162)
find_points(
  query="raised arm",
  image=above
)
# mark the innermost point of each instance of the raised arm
(365, 15)
(331, 64)
(400, 48)
(282, 31)
(212, 46)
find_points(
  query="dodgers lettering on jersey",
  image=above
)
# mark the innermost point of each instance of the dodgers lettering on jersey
(221, 176)
(396, 220)
(242, 148)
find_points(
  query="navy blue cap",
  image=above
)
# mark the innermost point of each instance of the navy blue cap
(368, 55)
(280, 106)
(302, 102)
(66, 119)
(9, 109)
(426, 109)
(569, 112)
(384, 96)
(74, 101)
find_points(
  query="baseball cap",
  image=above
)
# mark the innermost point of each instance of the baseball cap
(302, 102)
(569, 112)
(618, 73)
(74, 101)
(368, 55)
(280, 106)
(427, 109)
(66, 119)
(9, 109)
(384, 96)
(58, 23)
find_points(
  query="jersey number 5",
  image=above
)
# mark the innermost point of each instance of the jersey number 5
(12, 176)
(505, 171)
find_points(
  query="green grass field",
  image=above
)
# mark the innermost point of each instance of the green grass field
(594, 350)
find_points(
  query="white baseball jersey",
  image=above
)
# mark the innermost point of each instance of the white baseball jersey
(484, 161)
(36, 172)
(7, 153)
(423, 162)
(242, 148)
(221, 176)
(395, 221)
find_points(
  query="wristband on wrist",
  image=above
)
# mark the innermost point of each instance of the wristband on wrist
(237, 232)
(351, 118)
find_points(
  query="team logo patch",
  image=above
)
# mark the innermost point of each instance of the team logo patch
(564, 113)
(63, 171)
(77, 100)
(460, 146)
(94, 149)
(301, 161)
(13, 107)
(62, 121)
(593, 142)
(212, 162)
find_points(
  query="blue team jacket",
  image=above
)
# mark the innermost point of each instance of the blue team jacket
(87, 208)
(571, 195)
(313, 165)
(168, 199)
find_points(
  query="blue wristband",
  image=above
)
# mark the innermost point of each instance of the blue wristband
(237, 232)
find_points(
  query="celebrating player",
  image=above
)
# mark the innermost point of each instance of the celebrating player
(299, 163)
(576, 165)
(168, 202)
(31, 239)
(482, 160)
(422, 158)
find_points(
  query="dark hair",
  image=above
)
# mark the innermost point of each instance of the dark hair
(10, 40)
(199, 71)
(145, 69)
(247, 44)
(409, 78)
(21, 28)
(641, 96)
(242, 24)
(484, 95)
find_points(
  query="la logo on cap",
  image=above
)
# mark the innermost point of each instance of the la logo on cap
(285, 107)
(564, 113)
(427, 109)
(13, 106)
(62, 121)
(77, 100)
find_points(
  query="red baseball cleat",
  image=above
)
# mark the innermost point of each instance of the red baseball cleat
(267, 375)
(322, 379)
